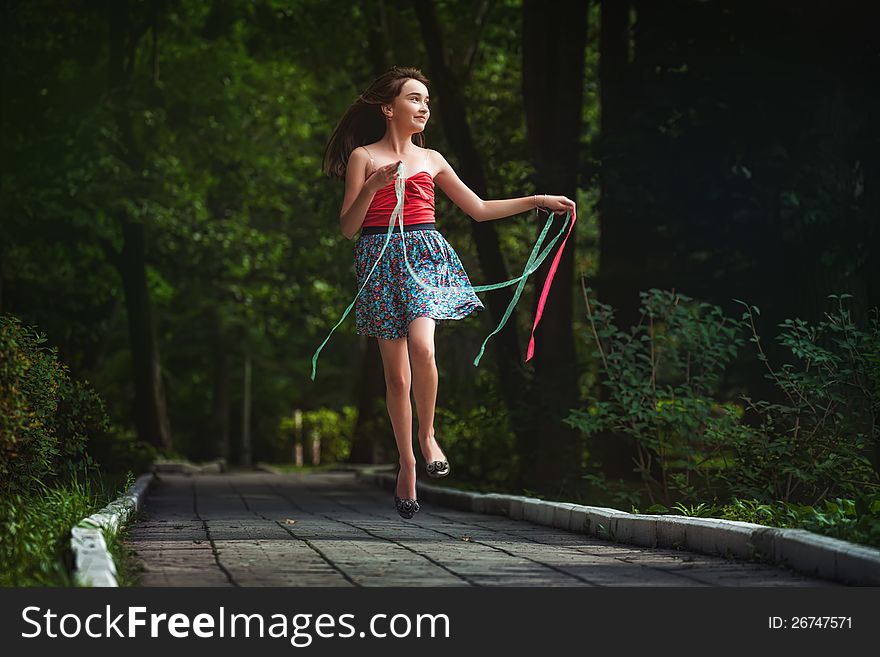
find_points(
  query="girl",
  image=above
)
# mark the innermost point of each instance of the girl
(383, 129)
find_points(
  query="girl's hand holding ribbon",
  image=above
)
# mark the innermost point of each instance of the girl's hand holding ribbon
(554, 203)
(382, 176)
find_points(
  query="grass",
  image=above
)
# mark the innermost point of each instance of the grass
(35, 532)
(35, 528)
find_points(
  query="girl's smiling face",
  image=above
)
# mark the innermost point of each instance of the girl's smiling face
(412, 105)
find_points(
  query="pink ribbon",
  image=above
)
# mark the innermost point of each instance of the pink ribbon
(547, 283)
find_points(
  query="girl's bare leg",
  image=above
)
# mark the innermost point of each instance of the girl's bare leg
(398, 379)
(424, 383)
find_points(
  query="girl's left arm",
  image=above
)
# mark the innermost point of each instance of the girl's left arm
(480, 210)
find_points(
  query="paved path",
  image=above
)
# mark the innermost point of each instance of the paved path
(260, 529)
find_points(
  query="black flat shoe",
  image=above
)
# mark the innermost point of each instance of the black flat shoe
(406, 508)
(437, 469)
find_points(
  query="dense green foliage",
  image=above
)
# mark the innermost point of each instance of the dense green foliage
(823, 439)
(52, 425)
(662, 379)
(662, 384)
(45, 417)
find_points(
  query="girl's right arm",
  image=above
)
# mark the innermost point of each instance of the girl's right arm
(359, 190)
(358, 194)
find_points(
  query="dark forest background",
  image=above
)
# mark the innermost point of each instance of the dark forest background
(165, 223)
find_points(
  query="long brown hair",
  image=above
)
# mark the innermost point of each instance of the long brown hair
(364, 123)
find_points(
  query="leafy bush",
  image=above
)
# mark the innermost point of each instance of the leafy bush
(661, 380)
(29, 382)
(50, 424)
(45, 417)
(80, 415)
(821, 441)
(663, 385)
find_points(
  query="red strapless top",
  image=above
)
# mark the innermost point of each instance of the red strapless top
(418, 202)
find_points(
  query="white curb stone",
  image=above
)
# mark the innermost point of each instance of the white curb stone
(638, 529)
(515, 506)
(856, 564)
(532, 510)
(798, 549)
(478, 503)
(674, 532)
(725, 537)
(92, 563)
(491, 503)
(578, 519)
(545, 513)
(599, 519)
(562, 515)
(804, 551)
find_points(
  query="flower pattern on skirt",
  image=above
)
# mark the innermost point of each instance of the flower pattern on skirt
(392, 299)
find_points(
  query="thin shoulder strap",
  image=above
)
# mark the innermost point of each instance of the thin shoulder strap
(372, 162)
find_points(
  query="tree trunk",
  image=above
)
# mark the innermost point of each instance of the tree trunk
(618, 275)
(245, 456)
(219, 424)
(553, 71)
(151, 418)
(613, 453)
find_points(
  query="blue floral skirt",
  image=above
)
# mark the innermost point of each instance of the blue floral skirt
(392, 299)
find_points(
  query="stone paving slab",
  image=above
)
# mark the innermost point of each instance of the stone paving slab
(327, 529)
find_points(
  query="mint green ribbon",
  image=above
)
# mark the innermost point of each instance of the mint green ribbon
(534, 261)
